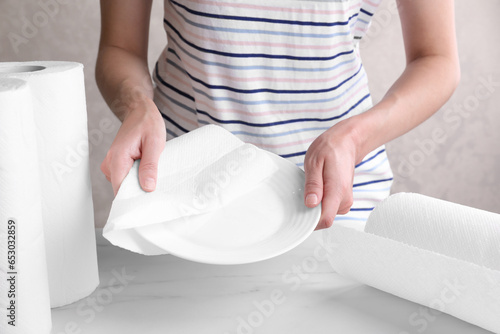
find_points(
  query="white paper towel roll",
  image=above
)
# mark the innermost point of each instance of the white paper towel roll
(58, 97)
(24, 299)
(439, 254)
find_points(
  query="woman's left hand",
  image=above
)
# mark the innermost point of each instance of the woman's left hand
(329, 166)
(431, 75)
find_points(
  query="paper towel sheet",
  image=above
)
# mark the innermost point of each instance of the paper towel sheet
(24, 299)
(439, 254)
(198, 172)
(58, 97)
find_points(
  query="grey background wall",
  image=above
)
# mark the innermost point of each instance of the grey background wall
(455, 155)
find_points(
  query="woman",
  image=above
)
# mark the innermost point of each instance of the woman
(284, 75)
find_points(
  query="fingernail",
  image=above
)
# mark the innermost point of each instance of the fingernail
(149, 184)
(311, 199)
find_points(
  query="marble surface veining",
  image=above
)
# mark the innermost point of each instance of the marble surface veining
(295, 293)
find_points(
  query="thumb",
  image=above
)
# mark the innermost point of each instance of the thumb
(313, 192)
(148, 167)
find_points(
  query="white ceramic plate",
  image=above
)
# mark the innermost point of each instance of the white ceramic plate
(266, 222)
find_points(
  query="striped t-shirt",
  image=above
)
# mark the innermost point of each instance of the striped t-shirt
(275, 73)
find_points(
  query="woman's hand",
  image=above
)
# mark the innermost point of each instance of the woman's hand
(329, 166)
(141, 136)
(431, 75)
(123, 78)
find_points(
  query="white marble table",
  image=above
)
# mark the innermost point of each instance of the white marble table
(295, 293)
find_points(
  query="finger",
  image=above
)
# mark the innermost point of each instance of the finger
(346, 203)
(313, 192)
(119, 167)
(105, 168)
(148, 168)
(331, 201)
(347, 194)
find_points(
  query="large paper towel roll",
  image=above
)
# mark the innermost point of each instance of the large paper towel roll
(439, 254)
(24, 299)
(58, 97)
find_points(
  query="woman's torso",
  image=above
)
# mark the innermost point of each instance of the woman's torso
(275, 73)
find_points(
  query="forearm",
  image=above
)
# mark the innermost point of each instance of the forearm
(123, 79)
(425, 85)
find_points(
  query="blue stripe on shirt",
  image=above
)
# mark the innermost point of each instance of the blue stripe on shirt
(260, 31)
(173, 122)
(254, 55)
(261, 19)
(260, 102)
(361, 209)
(256, 67)
(274, 91)
(371, 182)
(371, 158)
(286, 121)
(366, 12)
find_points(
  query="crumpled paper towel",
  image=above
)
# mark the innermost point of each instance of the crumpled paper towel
(24, 298)
(439, 254)
(198, 172)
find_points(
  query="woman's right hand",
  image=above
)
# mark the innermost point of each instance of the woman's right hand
(141, 136)
(123, 77)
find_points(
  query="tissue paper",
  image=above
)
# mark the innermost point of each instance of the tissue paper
(439, 254)
(24, 299)
(198, 172)
(58, 97)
